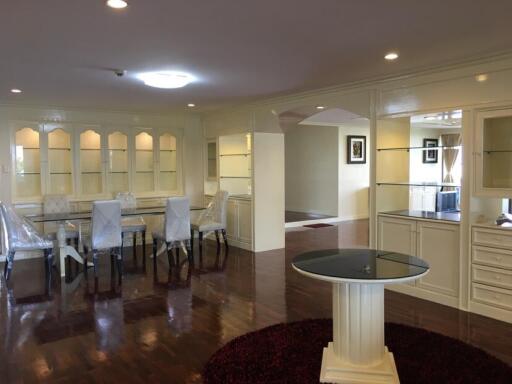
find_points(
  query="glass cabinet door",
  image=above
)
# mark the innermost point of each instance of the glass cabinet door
(118, 162)
(90, 163)
(168, 176)
(60, 162)
(144, 171)
(211, 149)
(27, 166)
(493, 153)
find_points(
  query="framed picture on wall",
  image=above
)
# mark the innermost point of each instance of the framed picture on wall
(356, 149)
(430, 157)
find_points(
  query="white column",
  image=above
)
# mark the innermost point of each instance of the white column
(357, 353)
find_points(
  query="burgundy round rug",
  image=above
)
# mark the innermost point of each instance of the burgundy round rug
(292, 353)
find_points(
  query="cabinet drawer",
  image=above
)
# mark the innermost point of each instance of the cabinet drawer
(496, 297)
(492, 276)
(492, 256)
(492, 238)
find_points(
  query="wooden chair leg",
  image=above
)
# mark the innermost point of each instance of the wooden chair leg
(169, 254)
(95, 261)
(218, 240)
(177, 256)
(201, 245)
(119, 256)
(134, 247)
(225, 237)
(155, 244)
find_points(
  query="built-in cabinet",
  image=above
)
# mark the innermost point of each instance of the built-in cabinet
(436, 242)
(235, 164)
(90, 162)
(491, 271)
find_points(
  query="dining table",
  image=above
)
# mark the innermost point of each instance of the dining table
(66, 250)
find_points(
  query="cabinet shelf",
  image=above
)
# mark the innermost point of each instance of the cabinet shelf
(144, 171)
(117, 149)
(498, 151)
(90, 149)
(117, 171)
(168, 171)
(162, 150)
(60, 173)
(28, 173)
(235, 177)
(235, 154)
(419, 184)
(420, 148)
(144, 150)
(31, 148)
(90, 173)
(59, 149)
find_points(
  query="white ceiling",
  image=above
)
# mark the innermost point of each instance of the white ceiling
(57, 50)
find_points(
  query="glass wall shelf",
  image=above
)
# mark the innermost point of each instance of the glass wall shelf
(236, 154)
(90, 163)
(118, 162)
(168, 165)
(60, 162)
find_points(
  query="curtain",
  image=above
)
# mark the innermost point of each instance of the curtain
(450, 156)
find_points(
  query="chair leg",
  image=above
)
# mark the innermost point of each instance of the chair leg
(144, 249)
(177, 255)
(95, 261)
(201, 245)
(8, 265)
(155, 244)
(134, 247)
(119, 255)
(218, 240)
(48, 256)
(190, 254)
(169, 254)
(225, 237)
(122, 242)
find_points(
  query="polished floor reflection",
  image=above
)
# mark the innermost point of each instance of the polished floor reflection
(163, 328)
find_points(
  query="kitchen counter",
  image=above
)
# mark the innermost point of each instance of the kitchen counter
(426, 215)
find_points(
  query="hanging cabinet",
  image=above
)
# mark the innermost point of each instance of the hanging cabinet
(89, 162)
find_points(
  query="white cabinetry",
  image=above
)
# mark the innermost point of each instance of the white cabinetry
(438, 243)
(491, 272)
(239, 221)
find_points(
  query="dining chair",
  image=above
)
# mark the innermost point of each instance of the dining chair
(59, 204)
(133, 224)
(105, 233)
(19, 235)
(212, 219)
(175, 231)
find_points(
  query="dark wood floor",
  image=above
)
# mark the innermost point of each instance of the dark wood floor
(164, 331)
(292, 216)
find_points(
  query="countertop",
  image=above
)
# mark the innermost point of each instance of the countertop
(427, 215)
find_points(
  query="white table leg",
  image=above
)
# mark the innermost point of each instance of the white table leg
(357, 353)
(65, 250)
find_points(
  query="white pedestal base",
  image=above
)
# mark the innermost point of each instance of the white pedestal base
(336, 371)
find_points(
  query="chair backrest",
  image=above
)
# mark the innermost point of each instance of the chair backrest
(56, 204)
(127, 199)
(219, 207)
(106, 224)
(177, 219)
(18, 231)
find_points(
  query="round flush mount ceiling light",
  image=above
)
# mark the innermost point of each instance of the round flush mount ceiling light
(16, 90)
(191, 105)
(390, 56)
(117, 4)
(320, 107)
(166, 79)
(482, 77)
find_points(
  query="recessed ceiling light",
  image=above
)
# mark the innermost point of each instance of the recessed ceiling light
(482, 77)
(117, 4)
(166, 79)
(391, 56)
(320, 107)
(191, 105)
(16, 90)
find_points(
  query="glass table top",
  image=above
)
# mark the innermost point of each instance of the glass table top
(360, 264)
(86, 215)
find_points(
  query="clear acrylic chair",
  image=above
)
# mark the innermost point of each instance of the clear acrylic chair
(213, 219)
(105, 233)
(176, 229)
(18, 235)
(59, 204)
(132, 224)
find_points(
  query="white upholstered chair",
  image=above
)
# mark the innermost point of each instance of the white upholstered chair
(213, 219)
(59, 204)
(105, 233)
(132, 224)
(176, 228)
(19, 235)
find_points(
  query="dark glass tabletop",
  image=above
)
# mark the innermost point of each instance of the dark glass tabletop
(359, 264)
(86, 215)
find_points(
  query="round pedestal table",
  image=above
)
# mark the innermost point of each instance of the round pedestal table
(357, 353)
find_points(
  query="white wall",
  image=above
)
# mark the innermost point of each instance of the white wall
(311, 169)
(354, 179)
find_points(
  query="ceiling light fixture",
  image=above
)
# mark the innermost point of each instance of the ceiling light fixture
(16, 90)
(165, 79)
(482, 77)
(391, 56)
(320, 107)
(191, 105)
(117, 4)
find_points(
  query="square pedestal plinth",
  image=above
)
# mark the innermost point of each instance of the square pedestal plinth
(336, 371)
